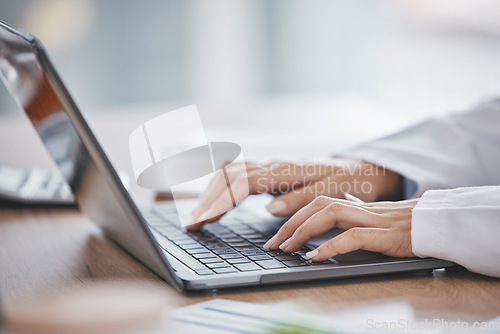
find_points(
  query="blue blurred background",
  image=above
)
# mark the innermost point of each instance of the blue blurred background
(412, 56)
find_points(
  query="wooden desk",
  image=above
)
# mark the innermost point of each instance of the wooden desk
(42, 251)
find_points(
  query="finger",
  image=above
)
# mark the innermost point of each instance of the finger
(217, 186)
(199, 225)
(228, 199)
(234, 194)
(259, 180)
(337, 214)
(196, 225)
(396, 204)
(214, 187)
(370, 239)
(293, 201)
(281, 177)
(316, 205)
(232, 180)
(288, 228)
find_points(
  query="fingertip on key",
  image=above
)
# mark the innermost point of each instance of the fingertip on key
(270, 243)
(312, 254)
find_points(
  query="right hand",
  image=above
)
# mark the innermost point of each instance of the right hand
(296, 185)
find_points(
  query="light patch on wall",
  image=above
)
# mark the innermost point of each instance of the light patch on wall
(60, 23)
(476, 15)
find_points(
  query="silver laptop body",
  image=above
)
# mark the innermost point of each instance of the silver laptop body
(181, 258)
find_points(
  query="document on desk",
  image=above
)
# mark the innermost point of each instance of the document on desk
(380, 316)
(227, 316)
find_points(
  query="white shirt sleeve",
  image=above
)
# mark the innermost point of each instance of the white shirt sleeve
(459, 150)
(461, 225)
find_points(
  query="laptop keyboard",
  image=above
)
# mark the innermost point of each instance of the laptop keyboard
(235, 246)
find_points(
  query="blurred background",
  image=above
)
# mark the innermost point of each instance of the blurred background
(409, 56)
(285, 79)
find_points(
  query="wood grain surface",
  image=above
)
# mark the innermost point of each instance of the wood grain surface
(44, 251)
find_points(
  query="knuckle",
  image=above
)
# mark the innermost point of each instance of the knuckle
(286, 229)
(302, 232)
(321, 201)
(355, 233)
(334, 207)
(328, 247)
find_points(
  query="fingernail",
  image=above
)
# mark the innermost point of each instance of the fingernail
(275, 207)
(270, 242)
(312, 254)
(353, 198)
(284, 245)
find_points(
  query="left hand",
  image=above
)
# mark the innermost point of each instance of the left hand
(383, 227)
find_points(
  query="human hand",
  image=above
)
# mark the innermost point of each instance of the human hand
(383, 227)
(298, 185)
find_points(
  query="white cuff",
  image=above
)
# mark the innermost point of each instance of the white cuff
(459, 225)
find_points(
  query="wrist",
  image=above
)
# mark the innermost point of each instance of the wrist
(391, 187)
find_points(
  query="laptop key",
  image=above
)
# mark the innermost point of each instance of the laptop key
(296, 263)
(228, 235)
(225, 270)
(238, 260)
(188, 245)
(258, 240)
(234, 240)
(211, 260)
(180, 238)
(196, 250)
(224, 251)
(168, 231)
(247, 266)
(248, 249)
(271, 264)
(230, 256)
(303, 250)
(240, 244)
(260, 244)
(260, 257)
(276, 252)
(204, 272)
(203, 255)
(285, 257)
(217, 265)
(204, 238)
(251, 235)
(217, 246)
(213, 245)
(319, 263)
(253, 252)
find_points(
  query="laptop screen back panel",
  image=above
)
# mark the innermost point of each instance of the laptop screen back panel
(34, 83)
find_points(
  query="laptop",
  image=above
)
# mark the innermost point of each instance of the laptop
(224, 254)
